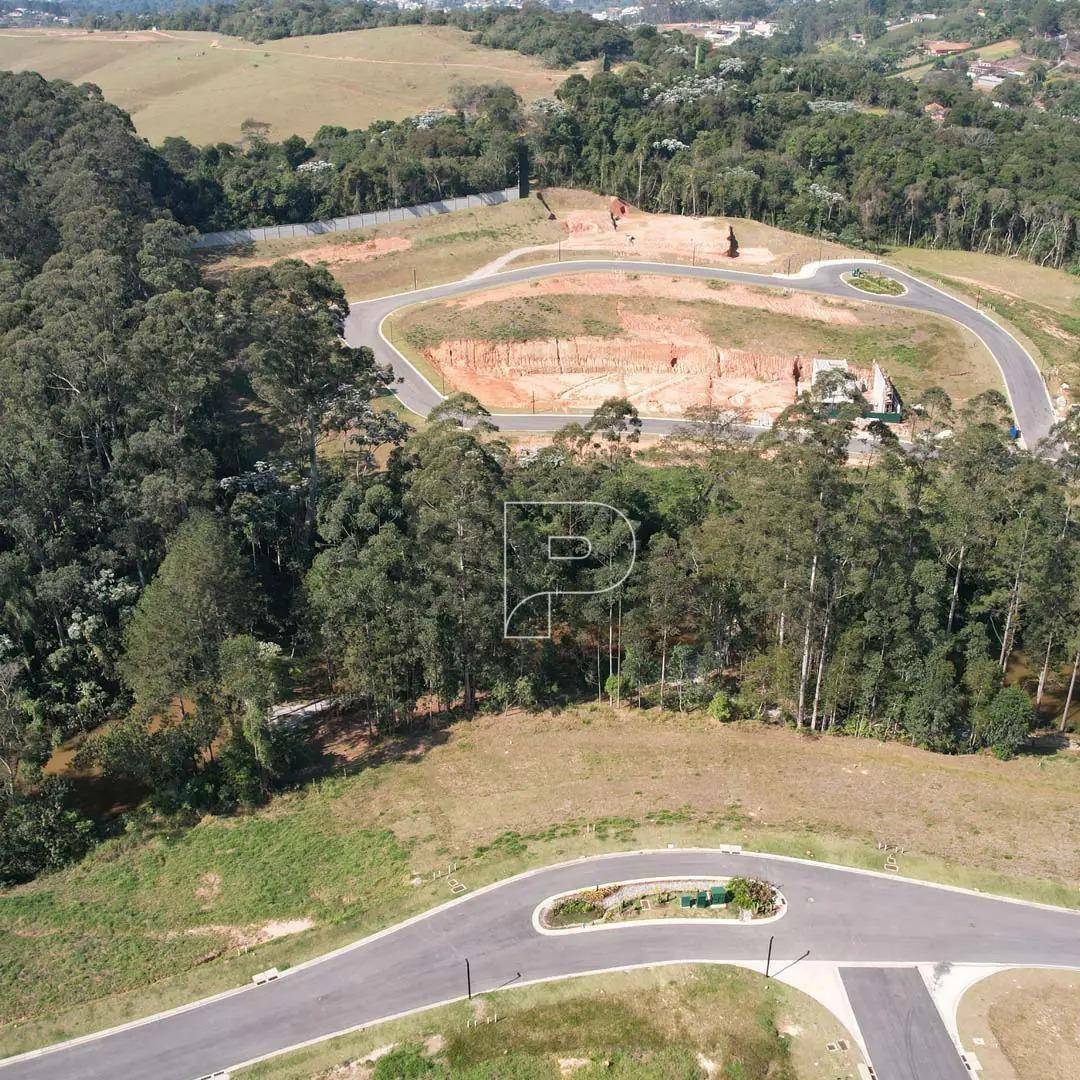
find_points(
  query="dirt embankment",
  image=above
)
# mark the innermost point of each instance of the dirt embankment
(352, 251)
(663, 363)
(596, 355)
(632, 286)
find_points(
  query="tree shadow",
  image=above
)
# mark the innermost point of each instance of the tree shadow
(1046, 744)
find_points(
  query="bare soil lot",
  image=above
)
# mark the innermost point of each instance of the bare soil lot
(1029, 1024)
(375, 262)
(597, 226)
(566, 344)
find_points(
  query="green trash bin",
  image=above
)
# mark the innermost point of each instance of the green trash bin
(686, 900)
(703, 899)
(717, 894)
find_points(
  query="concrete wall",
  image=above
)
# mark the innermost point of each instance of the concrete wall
(354, 221)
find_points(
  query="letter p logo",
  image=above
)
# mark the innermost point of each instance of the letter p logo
(557, 548)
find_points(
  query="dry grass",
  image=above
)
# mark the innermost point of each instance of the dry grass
(182, 83)
(612, 1025)
(1029, 1022)
(1019, 278)
(500, 794)
(442, 248)
(528, 773)
(1039, 305)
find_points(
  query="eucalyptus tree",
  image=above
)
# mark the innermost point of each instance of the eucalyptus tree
(290, 317)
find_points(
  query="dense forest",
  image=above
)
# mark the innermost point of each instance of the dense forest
(201, 493)
(774, 129)
(251, 19)
(132, 399)
(203, 496)
(827, 146)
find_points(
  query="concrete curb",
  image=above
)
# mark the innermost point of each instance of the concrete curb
(551, 931)
(533, 872)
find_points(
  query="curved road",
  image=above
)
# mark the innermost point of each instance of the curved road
(1023, 382)
(842, 916)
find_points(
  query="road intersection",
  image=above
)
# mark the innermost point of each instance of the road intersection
(845, 918)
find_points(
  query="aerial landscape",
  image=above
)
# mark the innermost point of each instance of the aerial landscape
(539, 541)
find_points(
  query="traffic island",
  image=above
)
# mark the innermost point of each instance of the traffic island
(737, 900)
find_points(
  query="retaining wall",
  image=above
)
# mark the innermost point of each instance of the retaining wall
(234, 237)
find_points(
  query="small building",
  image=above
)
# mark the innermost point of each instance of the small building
(945, 48)
(936, 112)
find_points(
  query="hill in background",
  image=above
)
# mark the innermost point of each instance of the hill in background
(205, 86)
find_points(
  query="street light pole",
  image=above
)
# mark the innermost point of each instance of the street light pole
(768, 957)
(468, 978)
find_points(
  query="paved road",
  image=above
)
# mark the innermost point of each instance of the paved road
(841, 916)
(903, 1030)
(1026, 388)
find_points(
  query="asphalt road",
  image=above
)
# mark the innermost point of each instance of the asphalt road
(904, 1034)
(1024, 384)
(841, 916)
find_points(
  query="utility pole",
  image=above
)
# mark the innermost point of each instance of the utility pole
(414, 279)
(468, 978)
(768, 957)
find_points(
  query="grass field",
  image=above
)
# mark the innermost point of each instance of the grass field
(1029, 1024)
(1040, 305)
(204, 86)
(917, 350)
(442, 248)
(153, 919)
(668, 1023)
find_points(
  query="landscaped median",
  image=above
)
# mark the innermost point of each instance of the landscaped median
(737, 899)
(875, 284)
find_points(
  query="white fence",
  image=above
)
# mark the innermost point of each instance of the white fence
(354, 221)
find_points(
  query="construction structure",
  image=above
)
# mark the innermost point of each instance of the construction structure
(872, 382)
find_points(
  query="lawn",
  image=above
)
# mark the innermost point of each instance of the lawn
(204, 86)
(148, 921)
(668, 1023)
